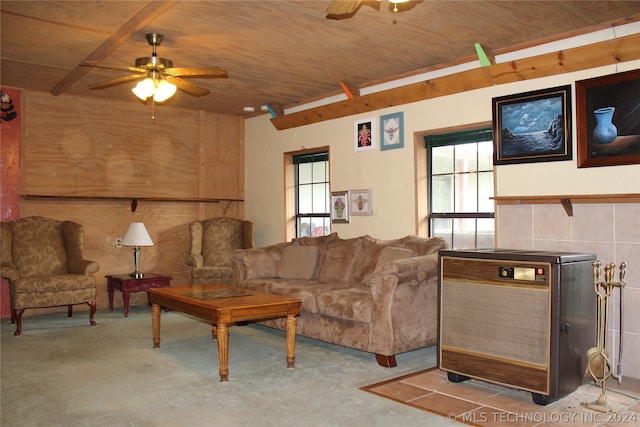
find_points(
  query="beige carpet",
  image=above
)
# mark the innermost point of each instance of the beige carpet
(480, 403)
(62, 372)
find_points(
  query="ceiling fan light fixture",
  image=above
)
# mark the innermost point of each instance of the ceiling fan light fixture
(144, 89)
(157, 78)
(164, 90)
(160, 90)
(395, 4)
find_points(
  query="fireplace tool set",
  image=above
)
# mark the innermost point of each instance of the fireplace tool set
(599, 364)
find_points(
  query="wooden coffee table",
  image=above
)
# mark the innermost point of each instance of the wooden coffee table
(225, 305)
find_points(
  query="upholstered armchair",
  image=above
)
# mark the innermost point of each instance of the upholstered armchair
(213, 242)
(44, 261)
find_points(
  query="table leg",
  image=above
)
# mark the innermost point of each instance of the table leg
(110, 291)
(155, 324)
(126, 295)
(290, 328)
(222, 334)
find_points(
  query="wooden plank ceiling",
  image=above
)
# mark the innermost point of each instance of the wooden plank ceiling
(279, 52)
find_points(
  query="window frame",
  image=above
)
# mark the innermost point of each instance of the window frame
(291, 190)
(453, 138)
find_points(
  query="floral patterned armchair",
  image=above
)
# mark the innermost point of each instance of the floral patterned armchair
(44, 261)
(213, 242)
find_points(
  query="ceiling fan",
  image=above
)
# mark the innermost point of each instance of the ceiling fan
(348, 7)
(158, 75)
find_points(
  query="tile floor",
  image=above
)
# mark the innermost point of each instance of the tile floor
(479, 403)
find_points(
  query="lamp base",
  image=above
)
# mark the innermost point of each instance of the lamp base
(137, 274)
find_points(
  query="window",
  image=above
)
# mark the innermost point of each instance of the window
(312, 194)
(460, 173)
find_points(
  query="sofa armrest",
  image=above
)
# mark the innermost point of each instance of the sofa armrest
(9, 271)
(405, 299)
(194, 260)
(409, 265)
(83, 266)
(256, 262)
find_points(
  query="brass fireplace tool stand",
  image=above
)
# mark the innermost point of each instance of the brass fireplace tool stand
(598, 362)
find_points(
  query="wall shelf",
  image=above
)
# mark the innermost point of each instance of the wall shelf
(134, 200)
(567, 201)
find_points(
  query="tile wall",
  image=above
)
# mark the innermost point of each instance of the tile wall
(612, 231)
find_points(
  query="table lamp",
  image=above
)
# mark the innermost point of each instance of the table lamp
(137, 236)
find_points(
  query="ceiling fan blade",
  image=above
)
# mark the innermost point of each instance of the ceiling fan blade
(113, 67)
(190, 88)
(118, 81)
(343, 7)
(196, 72)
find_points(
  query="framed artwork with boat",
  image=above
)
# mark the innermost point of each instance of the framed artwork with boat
(532, 126)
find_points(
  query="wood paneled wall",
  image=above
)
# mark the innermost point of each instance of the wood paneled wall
(76, 146)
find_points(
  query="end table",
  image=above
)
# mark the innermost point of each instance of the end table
(127, 284)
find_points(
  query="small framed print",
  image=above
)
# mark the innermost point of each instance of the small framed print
(365, 134)
(392, 131)
(360, 202)
(339, 207)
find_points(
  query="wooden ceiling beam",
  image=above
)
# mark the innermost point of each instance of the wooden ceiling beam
(580, 58)
(145, 16)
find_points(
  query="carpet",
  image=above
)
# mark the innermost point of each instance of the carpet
(479, 403)
(63, 372)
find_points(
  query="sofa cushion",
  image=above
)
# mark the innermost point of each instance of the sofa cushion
(315, 241)
(319, 242)
(364, 258)
(52, 284)
(257, 262)
(305, 290)
(298, 262)
(352, 303)
(337, 261)
(392, 253)
(386, 255)
(399, 243)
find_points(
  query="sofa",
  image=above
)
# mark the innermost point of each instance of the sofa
(378, 296)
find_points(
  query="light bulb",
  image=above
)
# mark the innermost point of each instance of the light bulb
(164, 91)
(144, 89)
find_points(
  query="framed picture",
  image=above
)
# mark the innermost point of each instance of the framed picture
(532, 127)
(339, 207)
(365, 134)
(608, 120)
(392, 131)
(360, 202)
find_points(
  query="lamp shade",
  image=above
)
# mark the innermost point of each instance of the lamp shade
(164, 90)
(144, 89)
(160, 90)
(136, 235)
